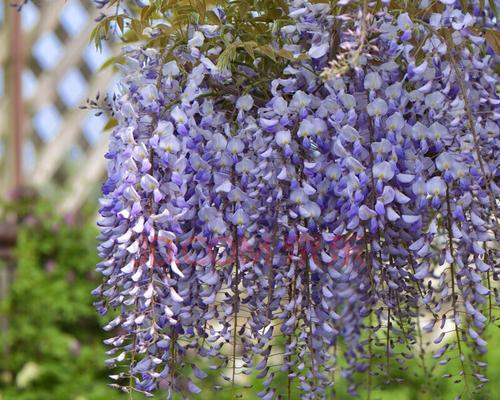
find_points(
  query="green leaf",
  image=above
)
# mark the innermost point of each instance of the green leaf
(493, 7)
(112, 122)
(146, 13)
(268, 51)
(95, 36)
(250, 48)
(110, 62)
(119, 21)
(286, 54)
(493, 38)
(228, 56)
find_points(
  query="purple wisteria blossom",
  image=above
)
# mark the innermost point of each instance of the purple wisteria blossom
(282, 230)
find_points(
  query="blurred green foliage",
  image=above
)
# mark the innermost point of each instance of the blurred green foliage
(54, 350)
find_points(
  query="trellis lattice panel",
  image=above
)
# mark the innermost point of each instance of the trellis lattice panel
(63, 145)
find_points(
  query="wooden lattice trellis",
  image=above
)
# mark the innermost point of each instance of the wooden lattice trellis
(59, 156)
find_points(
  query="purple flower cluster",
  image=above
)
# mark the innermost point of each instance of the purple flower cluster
(281, 232)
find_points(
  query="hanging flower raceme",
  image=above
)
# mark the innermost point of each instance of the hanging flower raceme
(297, 224)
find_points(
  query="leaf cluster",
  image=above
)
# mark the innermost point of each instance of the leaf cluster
(244, 32)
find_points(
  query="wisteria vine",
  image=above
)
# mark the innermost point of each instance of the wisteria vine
(314, 219)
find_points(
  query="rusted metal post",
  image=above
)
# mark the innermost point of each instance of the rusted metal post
(17, 96)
